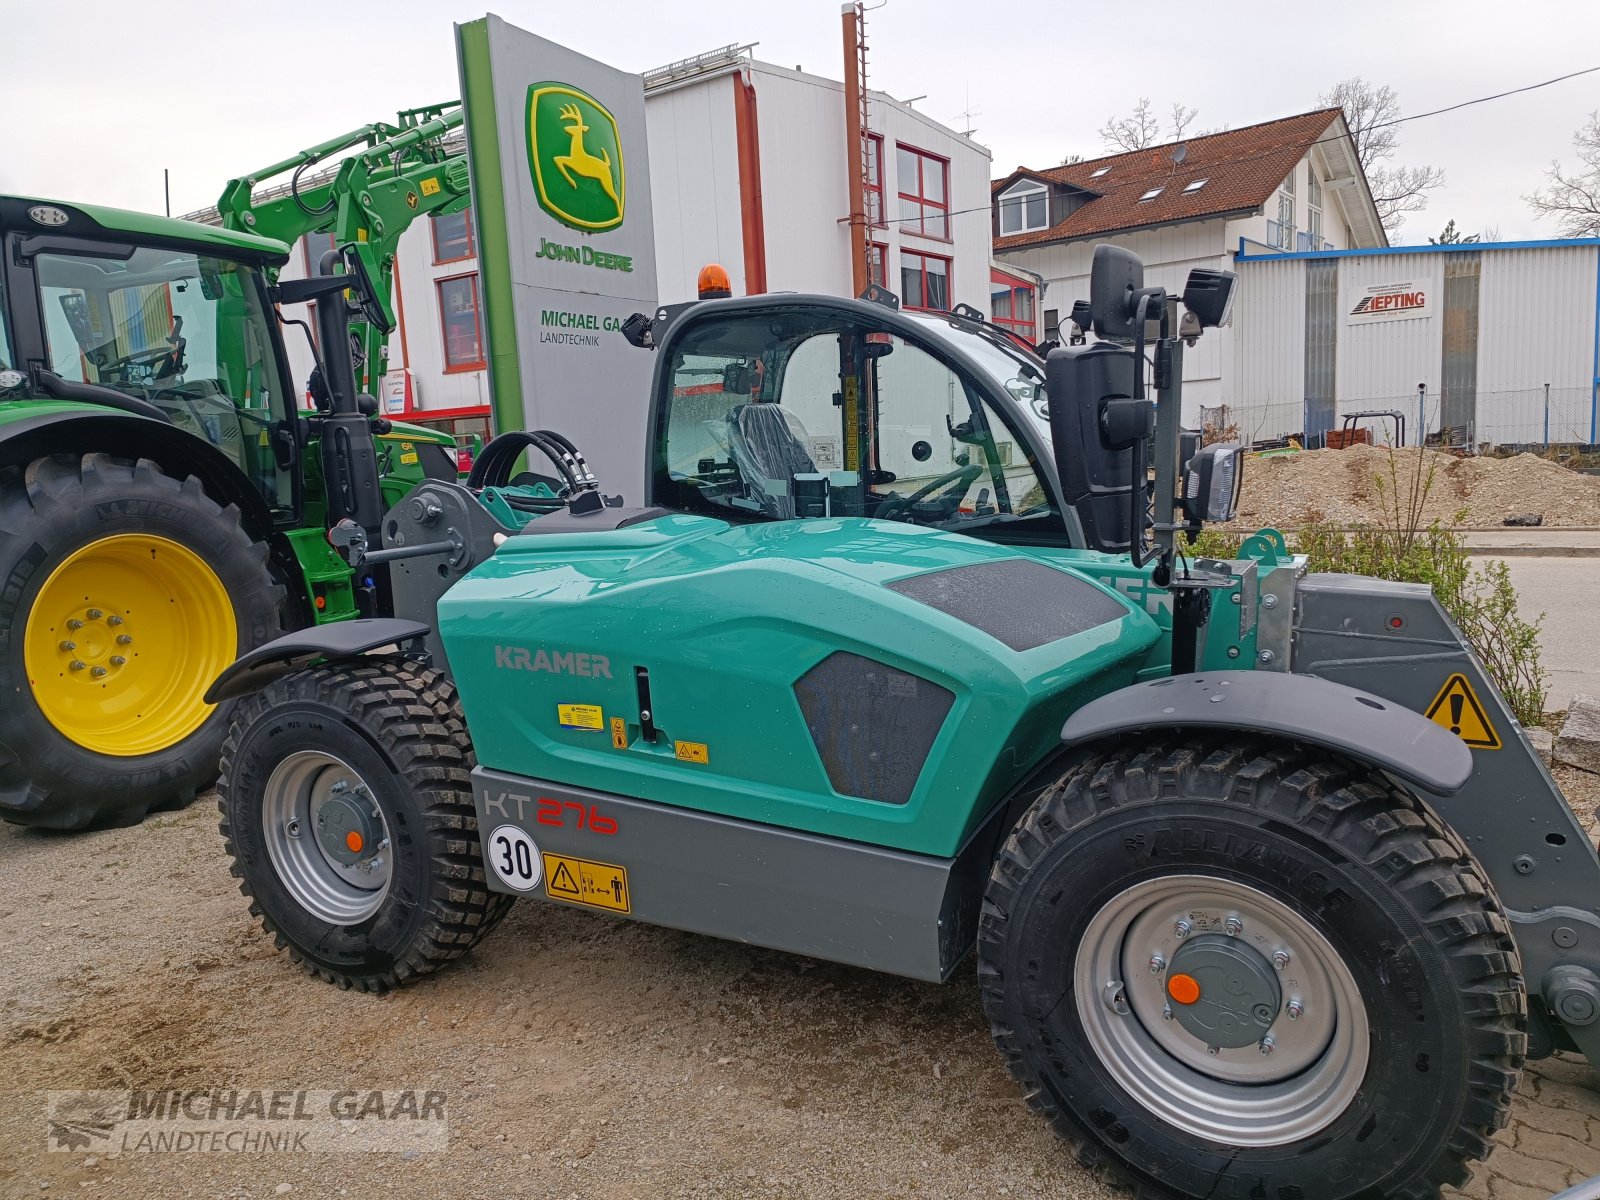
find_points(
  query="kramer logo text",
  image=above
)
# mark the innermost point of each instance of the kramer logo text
(556, 662)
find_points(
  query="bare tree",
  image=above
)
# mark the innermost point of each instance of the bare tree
(1135, 131)
(1372, 113)
(1181, 119)
(1573, 198)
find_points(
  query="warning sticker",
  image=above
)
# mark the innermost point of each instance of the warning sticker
(1458, 709)
(579, 881)
(430, 187)
(580, 716)
(693, 752)
(619, 733)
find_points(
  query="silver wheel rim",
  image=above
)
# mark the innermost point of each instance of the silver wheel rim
(1237, 1096)
(298, 791)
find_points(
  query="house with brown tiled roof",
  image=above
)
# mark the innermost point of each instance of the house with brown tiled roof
(1293, 184)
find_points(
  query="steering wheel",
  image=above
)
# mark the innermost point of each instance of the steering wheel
(955, 482)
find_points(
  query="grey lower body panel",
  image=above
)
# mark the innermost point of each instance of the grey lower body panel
(904, 914)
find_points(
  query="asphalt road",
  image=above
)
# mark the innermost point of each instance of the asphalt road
(1567, 591)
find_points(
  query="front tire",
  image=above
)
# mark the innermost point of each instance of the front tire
(123, 593)
(1244, 968)
(347, 809)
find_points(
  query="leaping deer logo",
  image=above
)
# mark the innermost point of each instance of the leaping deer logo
(575, 155)
(579, 160)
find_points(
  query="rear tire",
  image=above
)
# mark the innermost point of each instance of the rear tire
(1136, 859)
(95, 729)
(392, 733)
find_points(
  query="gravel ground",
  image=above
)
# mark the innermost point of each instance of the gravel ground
(582, 1056)
(1343, 486)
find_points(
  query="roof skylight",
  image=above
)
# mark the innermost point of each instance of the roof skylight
(1194, 185)
(1151, 194)
(1098, 171)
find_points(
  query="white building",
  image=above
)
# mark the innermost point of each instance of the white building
(748, 168)
(1288, 185)
(1492, 343)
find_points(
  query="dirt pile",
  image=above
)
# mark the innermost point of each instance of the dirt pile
(1359, 485)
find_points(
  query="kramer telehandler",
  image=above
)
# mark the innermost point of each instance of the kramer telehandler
(163, 500)
(1269, 894)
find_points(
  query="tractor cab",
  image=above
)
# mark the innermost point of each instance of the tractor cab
(776, 407)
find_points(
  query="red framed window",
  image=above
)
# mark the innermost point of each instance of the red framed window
(875, 180)
(452, 237)
(1012, 305)
(924, 183)
(461, 323)
(878, 264)
(924, 281)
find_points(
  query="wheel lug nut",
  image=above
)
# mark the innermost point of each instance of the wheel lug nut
(113, 619)
(124, 640)
(94, 614)
(1157, 964)
(1280, 959)
(118, 661)
(97, 672)
(1182, 929)
(76, 665)
(1295, 1009)
(1212, 1050)
(1266, 1044)
(69, 645)
(1167, 1013)
(1233, 926)
(74, 624)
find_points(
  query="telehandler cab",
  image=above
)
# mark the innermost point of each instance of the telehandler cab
(1269, 894)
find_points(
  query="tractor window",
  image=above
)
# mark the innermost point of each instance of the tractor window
(187, 332)
(769, 423)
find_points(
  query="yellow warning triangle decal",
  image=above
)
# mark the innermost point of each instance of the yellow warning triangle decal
(562, 881)
(1458, 709)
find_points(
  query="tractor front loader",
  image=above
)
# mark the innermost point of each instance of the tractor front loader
(1269, 895)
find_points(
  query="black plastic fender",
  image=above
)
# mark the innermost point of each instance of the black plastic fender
(1302, 708)
(319, 643)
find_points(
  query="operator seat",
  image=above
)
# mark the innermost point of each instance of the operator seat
(769, 448)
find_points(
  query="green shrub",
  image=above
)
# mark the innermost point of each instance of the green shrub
(1481, 600)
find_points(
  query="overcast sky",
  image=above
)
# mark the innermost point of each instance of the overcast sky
(113, 91)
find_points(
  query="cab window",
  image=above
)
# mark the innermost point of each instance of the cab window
(187, 332)
(777, 418)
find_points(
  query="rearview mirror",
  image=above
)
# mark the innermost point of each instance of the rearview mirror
(367, 298)
(1114, 278)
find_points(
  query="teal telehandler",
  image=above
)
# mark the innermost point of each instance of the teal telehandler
(1269, 894)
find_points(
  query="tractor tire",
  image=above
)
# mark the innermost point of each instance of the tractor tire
(347, 809)
(1163, 910)
(123, 594)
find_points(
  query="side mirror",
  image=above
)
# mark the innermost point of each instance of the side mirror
(374, 311)
(1115, 278)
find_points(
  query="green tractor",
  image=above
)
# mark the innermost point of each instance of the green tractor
(1269, 894)
(163, 498)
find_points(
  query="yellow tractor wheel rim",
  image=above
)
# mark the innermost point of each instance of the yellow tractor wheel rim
(122, 641)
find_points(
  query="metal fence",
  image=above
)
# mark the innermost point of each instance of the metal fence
(1538, 416)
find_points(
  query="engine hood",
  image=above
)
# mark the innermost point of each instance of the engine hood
(871, 680)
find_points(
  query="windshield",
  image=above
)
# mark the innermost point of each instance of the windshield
(1012, 368)
(805, 413)
(187, 332)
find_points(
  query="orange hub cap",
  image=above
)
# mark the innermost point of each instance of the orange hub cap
(353, 840)
(1183, 989)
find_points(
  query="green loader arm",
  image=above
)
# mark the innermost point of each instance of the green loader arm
(393, 175)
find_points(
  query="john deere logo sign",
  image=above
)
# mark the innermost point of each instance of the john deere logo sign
(576, 157)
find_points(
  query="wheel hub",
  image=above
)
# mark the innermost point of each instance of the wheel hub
(1231, 997)
(349, 826)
